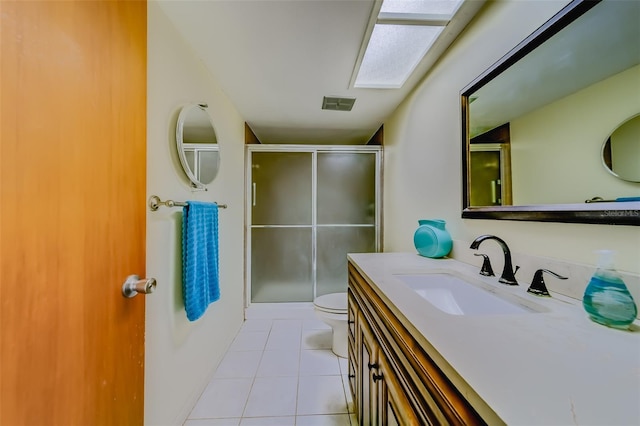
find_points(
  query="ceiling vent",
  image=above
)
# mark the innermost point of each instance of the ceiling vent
(338, 104)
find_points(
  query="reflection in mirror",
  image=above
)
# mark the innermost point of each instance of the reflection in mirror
(621, 151)
(197, 145)
(549, 103)
(490, 168)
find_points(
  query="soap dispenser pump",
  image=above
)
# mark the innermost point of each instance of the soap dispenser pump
(606, 298)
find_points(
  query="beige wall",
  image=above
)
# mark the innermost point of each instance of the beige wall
(181, 356)
(560, 144)
(423, 153)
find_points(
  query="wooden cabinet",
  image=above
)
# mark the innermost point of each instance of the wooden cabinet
(393, 379)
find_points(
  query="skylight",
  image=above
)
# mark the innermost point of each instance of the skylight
(436, 7)
(402, 34)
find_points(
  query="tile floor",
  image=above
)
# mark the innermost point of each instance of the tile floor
(279, 370)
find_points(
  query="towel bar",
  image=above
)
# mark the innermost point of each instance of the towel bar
(155, 202)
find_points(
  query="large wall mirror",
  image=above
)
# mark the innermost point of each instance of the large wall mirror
(197, 145)
(538, 125)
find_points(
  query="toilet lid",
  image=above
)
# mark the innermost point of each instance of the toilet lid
(335, 302)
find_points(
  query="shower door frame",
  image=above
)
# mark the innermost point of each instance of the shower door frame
(314, 150)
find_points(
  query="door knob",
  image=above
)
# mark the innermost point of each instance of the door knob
(134, 285)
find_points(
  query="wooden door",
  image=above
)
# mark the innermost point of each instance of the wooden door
(72, 215)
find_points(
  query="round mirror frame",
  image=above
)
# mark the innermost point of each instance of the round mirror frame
(606, 146)
(180, 145)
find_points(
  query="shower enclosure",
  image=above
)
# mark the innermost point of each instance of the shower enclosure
(308, 206)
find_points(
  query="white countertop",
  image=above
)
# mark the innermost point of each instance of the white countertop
(548, 368)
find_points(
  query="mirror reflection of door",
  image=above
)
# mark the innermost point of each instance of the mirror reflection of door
(490, 174)
(490, 167)
(485, 178)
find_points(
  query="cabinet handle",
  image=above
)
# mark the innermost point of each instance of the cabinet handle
(376, 377)
(352, 376)
(351, 321)
(372, 366)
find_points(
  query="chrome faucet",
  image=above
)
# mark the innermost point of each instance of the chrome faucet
(508, 274)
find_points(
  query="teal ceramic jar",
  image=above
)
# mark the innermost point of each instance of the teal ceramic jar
(431, 239)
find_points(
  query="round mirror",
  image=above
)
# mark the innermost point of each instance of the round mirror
(197, 145)
(621, 151)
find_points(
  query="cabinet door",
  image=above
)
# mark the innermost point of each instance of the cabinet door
(394, 406)
(368, 405)
(354, 362)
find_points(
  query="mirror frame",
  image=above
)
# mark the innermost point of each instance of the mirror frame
(195, 182)
(611, 213)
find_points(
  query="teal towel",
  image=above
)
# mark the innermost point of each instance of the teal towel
(200, 282)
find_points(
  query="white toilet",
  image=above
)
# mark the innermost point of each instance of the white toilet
(332, 309)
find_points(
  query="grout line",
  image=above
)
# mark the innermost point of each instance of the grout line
(295, 419)
(255, 374)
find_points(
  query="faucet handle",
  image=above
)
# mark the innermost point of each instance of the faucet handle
(486, 269)
(538, 287)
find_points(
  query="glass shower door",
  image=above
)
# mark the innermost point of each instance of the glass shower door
(281, 227)
(346, 214)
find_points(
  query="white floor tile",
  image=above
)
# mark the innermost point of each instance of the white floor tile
(249, 341)
(347, 392)
(268, 421)
(324, 420)
(301, 310)
(222, 398)
(344, 365)
(319, 363)
(317, 339)
(272, 396)
(283, 340)
(315, 324)
(256, 324)
(291, 325)
(237, 364)
(279, 363)
(321, 395)
(212, 422)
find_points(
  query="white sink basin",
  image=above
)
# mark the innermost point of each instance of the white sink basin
(456, 295)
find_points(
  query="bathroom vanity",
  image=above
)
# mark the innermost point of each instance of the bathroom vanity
(419, 354)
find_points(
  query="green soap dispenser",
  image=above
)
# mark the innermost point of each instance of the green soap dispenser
(606, 298)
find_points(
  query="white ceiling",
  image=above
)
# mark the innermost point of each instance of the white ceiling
(276, 59)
